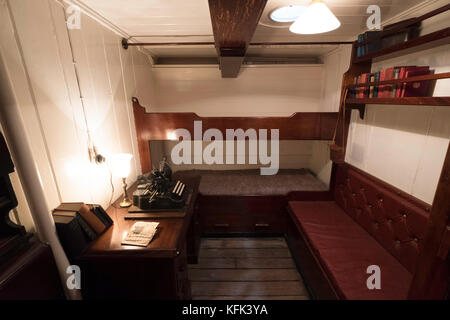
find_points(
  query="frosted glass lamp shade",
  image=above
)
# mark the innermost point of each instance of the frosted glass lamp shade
(121, 165)
(317, 18)
(287, 14)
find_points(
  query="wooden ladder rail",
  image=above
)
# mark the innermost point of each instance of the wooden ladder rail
(432, 267)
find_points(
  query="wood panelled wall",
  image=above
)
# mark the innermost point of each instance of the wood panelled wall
(43, 59)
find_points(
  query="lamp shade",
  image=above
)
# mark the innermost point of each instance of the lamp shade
(317, 18)
(121, 165)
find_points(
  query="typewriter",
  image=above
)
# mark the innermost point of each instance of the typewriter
(156, 190)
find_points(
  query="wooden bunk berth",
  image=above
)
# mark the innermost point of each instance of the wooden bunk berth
(244, 202)
(223, 209)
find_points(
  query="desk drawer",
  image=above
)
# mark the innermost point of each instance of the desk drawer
(242, 214)
(241, 223)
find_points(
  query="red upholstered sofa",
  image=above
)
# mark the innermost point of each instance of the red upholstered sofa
(368, 223)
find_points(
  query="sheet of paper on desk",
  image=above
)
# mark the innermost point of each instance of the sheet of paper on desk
(141, 234)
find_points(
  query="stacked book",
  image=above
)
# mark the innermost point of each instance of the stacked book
(396, 90)
(372, 41)
(77, 224)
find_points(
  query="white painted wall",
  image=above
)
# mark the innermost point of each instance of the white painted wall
(276, 90)
(293, 154)
(406, 145)
(36, 49)
(336, 63)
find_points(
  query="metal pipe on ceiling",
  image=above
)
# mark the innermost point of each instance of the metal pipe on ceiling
(126, 44)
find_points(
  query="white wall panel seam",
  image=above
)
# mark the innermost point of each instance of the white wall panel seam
(134, 73)
(130, 113)
(33, 97)
(81, 144)
(111, 96)
(91, 80)
(422, 155)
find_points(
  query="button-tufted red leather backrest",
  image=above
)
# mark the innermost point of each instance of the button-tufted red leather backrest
(396, 220)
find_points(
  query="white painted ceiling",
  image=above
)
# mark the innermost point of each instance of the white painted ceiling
(189, 21)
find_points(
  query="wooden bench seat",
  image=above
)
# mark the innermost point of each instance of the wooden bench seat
(345, 250)
(368, 223)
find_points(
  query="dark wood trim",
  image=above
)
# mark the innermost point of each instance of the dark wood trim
(423, 101)
(142, 136)
(339, 145)
(309, 196)
(299, 126)
(432, 271)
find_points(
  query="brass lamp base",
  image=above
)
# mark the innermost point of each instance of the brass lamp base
(126, 202)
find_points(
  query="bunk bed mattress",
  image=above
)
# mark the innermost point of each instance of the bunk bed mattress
(250, 182)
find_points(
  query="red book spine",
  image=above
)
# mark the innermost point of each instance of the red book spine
(415, 89)
(382, 87)
(400, 85)
(387, 92)
(363, 89)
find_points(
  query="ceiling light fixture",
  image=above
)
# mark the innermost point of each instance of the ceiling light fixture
(287, 14)
(317, 18)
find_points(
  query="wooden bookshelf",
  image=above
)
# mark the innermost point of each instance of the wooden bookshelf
(436, 76)
(428, 41)
(363, 64)
(421, 101)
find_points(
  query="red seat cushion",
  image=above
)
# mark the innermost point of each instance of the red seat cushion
(345, 250)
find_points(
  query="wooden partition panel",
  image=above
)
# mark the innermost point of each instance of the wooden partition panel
(157, 126)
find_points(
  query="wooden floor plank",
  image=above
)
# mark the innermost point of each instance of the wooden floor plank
(214, 263)
(242, 288)
(260, 263)
(245, 253)
(250, 298)
(246, 269)
(255, 243)
(244, 275)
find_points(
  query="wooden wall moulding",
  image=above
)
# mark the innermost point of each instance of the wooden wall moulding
(339, 145)
(157, 126)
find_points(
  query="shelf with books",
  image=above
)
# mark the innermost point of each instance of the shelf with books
(436, 76)
(397, 85)
(428, 41)
(360, 103)
(394, 34)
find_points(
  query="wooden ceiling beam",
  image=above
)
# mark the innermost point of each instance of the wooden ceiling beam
(234, 23)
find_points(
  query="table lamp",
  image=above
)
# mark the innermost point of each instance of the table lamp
(121, 168)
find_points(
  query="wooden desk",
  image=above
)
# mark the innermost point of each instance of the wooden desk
(158, 271)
